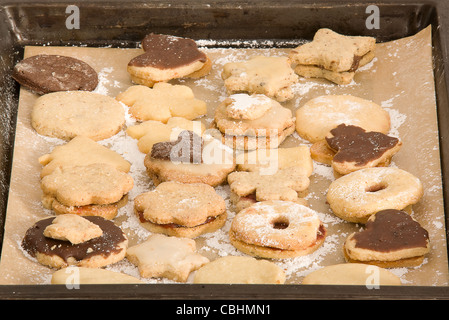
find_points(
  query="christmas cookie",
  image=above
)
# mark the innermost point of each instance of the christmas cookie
(68, 114)
(97, 189)
(271, 76)
(161, 102)
(45, 73)
(349, 148)
(81, 151)
(182, 210)
(355, 274)
(333, 56)
(240, 270)
(81, 275)
(190, 159)
(318, 116)
(150, 132)
(95, 251)
(391, 239)
(162, 256)
(360, 194)
(277, 230)
(268, 130)
(167, 57)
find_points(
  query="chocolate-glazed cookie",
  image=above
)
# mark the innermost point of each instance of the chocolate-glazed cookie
(165, 52)
(167, 57)
(97, 252)
(391, 238)
(51, 73)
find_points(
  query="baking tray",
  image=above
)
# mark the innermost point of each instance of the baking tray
(118, 24)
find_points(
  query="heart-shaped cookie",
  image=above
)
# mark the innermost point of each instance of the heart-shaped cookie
(391, 238)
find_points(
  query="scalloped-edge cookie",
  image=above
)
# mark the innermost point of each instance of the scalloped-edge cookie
(150, 132)
(94, 189)
(180, 209)
(162, 102)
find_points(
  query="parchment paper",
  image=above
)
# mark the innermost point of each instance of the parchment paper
(400, 79)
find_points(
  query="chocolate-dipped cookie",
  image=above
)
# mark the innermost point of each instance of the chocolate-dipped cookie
(391, 239)
(97, 251)
(51, 73)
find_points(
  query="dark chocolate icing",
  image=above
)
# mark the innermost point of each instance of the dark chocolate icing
(51, 73)
(354, 144)
(186, 149)
(167, 52)
(391, 230)
(35, 241)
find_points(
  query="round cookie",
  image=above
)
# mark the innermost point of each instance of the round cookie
(241, 270)
(358, 195)
(318, 116)
(51, 73)
(352, 274)
(68, 114)
(97, 252)
(182, 210)
(277, 230)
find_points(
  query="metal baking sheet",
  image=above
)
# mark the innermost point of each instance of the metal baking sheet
(41, 25)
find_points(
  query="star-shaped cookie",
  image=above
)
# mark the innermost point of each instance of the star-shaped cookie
(168, 257)
(271, 76)
(333, 51)
(162, 102)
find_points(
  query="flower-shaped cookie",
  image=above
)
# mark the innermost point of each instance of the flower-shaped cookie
(162, 102)
(181, 209)
(86, 190)
(150, 132)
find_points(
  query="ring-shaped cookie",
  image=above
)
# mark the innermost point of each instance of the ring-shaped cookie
(277, 230)
(360, 194)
